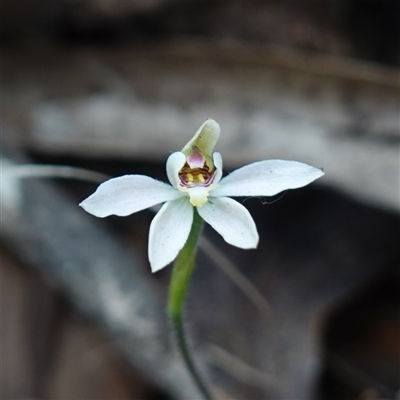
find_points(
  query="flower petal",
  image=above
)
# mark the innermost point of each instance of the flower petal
(231, 220)
(266, 178)
(169, 231)
(128, 194)
(217, 158)
(204, 139)
(198, 195)
(175, 162)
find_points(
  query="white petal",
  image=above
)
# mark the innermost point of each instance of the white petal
(231, 220)
(217, 159)
(175, 162)
(128, 194)
(169, 231)
(205, 138)
(266, 178)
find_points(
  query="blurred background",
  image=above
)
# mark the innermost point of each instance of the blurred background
(115, 87)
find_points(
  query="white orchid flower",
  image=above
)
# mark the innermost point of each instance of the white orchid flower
(195, 176)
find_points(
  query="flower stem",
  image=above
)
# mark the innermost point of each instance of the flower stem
(183, 268)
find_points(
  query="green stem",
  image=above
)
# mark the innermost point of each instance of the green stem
(183, 268)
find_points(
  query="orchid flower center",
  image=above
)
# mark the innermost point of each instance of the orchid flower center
(191, 177)
(196, 177)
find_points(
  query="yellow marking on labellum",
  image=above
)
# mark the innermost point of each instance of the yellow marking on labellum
(189, 177)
